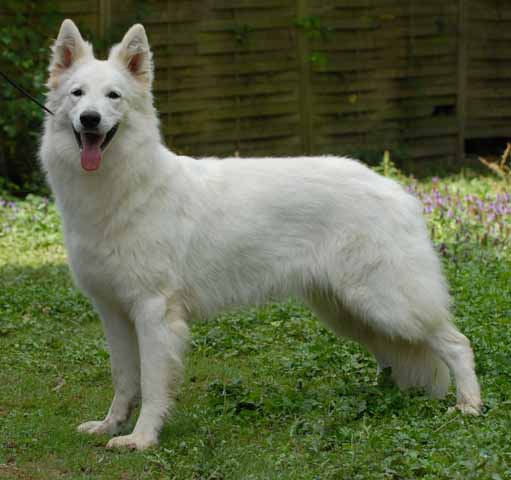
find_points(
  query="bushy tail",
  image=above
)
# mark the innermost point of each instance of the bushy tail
(413, 365)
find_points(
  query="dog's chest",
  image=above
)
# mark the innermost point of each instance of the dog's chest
(121, 265)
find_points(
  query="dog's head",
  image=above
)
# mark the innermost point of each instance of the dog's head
(92, 99)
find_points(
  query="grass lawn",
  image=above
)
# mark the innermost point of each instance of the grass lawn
(269, 393)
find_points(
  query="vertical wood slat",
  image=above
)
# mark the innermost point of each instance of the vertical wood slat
(168, 70)
(104, 17)
(462, 78)
(305, 95)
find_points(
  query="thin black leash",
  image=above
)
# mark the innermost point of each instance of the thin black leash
(24, 92)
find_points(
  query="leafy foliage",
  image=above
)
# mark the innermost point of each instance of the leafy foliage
(313, 28)
(25, 34)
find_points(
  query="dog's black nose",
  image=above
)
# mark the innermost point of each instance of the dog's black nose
(90, 119)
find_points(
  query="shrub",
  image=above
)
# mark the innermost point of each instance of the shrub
(26, 31)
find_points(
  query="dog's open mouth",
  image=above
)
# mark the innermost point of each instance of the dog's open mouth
(92, 145)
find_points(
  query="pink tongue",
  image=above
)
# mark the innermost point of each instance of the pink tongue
(91, 155)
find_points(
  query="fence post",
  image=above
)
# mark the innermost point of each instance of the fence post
(305, 101)
(105, 18)
(462, 78)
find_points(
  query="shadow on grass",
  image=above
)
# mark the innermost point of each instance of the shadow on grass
(40, 295)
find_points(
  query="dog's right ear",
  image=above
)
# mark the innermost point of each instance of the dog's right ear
(68, 49)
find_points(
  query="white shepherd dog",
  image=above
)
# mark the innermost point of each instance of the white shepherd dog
(157, 239)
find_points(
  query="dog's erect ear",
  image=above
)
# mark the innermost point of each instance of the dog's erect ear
(68, 49)
(135, 55)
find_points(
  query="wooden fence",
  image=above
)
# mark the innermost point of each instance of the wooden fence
(284, 77)
(488, 73)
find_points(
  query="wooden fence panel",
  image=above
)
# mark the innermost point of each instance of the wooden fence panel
(227, 79)
(284, 77)
(489, 73)
(306, 76)
(384, 76)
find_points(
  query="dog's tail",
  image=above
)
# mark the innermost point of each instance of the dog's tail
(412, 365)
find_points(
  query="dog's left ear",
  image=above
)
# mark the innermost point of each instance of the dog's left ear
(135, 55)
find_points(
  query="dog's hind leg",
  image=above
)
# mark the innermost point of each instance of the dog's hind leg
(162, 333)
(417, 340)
(413, 365)
(454, 349)
(124, 359)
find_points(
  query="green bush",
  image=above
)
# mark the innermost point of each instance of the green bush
(26, 31)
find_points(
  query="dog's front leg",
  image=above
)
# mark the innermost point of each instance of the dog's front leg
(163, 334)
(125, 363)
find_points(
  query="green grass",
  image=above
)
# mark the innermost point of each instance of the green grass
(269, 393)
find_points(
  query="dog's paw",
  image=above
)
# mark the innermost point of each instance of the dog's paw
(466, 409)
(134, 441)
(469, 409)
(99, 427)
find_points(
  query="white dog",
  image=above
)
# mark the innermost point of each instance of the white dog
(156, 239)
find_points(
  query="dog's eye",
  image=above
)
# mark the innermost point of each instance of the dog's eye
(113, 95)
(77, 92)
